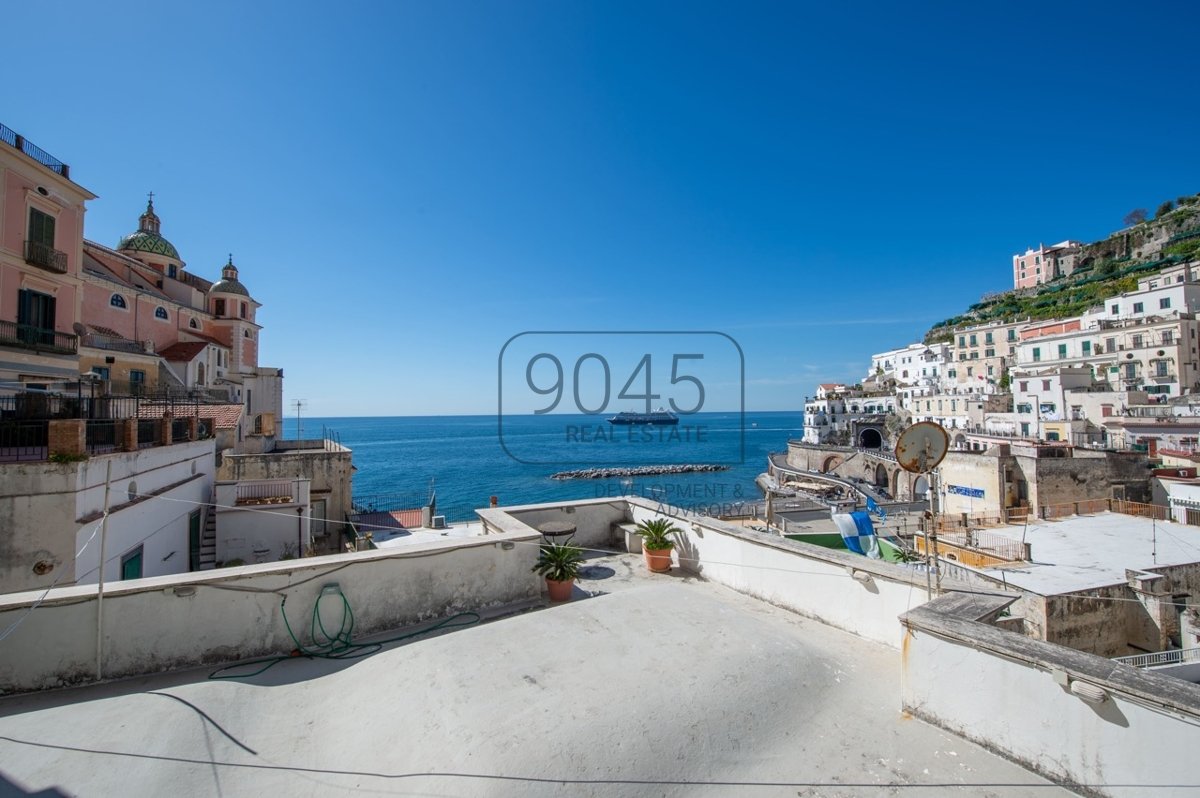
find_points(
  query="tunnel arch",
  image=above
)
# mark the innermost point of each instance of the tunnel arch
(869, 438)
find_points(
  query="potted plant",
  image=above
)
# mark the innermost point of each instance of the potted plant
(656, 543)
(559, 563)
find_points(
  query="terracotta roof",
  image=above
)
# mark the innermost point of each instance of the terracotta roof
(392, 520)
(113, 267)
(202, 337)
(828, 385)
(224, 416)
(184, 351)
(109, 331)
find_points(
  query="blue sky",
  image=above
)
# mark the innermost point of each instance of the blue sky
(405, 186)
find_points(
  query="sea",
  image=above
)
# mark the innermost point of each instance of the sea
(466, 460)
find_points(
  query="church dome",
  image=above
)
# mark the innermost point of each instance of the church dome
(229, 283)
(147, 237)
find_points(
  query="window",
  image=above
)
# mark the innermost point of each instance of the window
(1154, 283)
(194, 540)
(1137, 340)
(131, 564)
(1164, 303)
(218, 307)
(1160, 368)
(41, 228)
(970, 371)
(1037, 354)
(973, 339)
(987, 339)
(35, 317)
(1024, 386)
(195, 325)
(246, 334)
(1138, 307)
(1168, 337)
(1024, 407)
(989, 353)
(101, 372)
(136, 376)
(1062, 350)
(1037, 259)
(1012, 335)
(1045, 385)
(991, 371)
(1115, 309)
(243, 310)
(1131, 371)
(1087, 348)
(117, 301)
(952, 373)
(160, 313)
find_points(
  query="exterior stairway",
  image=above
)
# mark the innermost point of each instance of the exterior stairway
(208, 539)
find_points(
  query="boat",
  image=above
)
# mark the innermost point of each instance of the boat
(659, 417)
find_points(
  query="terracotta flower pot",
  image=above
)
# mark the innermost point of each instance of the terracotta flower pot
(560, 591)
(658, 560)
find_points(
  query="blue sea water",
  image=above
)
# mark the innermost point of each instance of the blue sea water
(468, 459)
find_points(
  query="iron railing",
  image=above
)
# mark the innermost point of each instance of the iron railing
(275, 491)
(997, 546)
(1175, 657)
(16, 140)
(24, 440)
(111, 344)
(45, 257)
(149, 432)
(101, 436)
(26, 336)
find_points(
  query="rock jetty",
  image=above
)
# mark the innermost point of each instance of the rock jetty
(640, 471)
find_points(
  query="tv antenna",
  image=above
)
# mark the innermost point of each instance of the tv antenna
(919, 450)
(298, 405)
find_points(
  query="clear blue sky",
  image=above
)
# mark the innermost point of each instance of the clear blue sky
(405, 186)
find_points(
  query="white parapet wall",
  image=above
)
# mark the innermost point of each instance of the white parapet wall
(1098, 726)
(231, 614)
(839, 588)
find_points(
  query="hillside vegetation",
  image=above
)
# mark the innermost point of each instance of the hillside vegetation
(1108, 267)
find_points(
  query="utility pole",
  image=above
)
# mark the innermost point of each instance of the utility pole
(298, 404)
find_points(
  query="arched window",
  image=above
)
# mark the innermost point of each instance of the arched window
(195, 325)
(117, 301)
(160, 313)
(246, 333)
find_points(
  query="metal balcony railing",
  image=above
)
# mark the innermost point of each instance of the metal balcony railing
(15, 139)
(45, 257)
(27, 336)
(1156, 658)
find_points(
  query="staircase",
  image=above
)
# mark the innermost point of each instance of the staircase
(208, 539)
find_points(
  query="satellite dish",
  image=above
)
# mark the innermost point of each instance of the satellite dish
(79, 329)
(921, 447)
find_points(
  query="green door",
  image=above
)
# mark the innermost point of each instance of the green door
(131, 564)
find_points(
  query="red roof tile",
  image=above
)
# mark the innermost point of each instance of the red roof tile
(184, 351)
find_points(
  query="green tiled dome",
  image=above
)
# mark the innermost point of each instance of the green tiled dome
(148, 238)
(144, 241)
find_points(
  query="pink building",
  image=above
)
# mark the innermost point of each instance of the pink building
(132, 317)
(1044, 264)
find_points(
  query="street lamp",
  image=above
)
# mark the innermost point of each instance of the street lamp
(91, 377)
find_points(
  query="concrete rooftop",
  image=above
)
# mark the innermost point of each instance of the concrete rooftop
(1081, 552)
(660, 685)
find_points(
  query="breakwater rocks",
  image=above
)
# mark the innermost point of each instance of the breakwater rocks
(640, 471)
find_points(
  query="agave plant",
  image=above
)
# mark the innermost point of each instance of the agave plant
(559, 562)
(656, 534)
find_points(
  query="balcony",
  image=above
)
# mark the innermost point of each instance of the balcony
(111, 344)
(26, 336)
(45, 257)
(15, 139)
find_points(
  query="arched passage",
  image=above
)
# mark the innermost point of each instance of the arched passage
(870, 438)
(831, 462)
(896, 484)
(920, 487)
(881, 476)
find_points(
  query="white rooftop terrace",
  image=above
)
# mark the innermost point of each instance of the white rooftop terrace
(644, 685)
(1083, 552)
(758, 666)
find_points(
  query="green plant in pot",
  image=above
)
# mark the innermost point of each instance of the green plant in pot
(559, 563)
(656, 542)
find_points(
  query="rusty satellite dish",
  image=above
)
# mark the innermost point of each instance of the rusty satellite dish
(921, 447)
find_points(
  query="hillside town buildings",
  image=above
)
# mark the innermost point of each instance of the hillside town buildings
(1041, 265)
